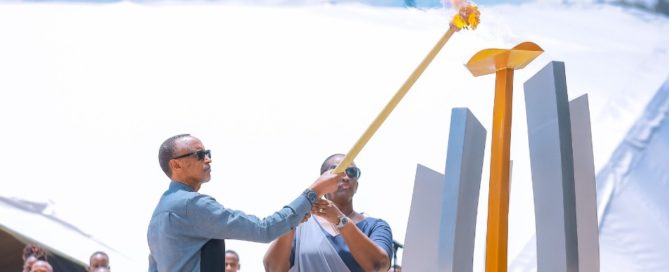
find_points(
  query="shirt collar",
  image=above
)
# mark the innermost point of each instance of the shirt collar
(175, 185)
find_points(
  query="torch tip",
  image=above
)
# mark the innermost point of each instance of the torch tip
(468, 16)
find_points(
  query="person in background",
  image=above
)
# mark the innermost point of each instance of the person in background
(232, 261)
(336, 237)
(187, 229)
(41, 266)
(28, 263)
(31, 254)
(97, 260)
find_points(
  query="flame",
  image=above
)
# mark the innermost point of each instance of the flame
(468, 16)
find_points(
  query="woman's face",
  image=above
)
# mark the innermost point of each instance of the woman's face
(346, 187)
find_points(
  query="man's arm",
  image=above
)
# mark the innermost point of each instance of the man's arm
(212, 220)
(215, 221)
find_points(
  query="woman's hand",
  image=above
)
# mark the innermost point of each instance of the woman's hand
(328, 210)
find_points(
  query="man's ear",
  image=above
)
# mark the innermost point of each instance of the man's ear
(174, 164)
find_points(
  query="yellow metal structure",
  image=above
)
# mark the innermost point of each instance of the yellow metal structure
(502, 62)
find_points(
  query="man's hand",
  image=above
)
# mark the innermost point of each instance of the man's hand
(326, 183)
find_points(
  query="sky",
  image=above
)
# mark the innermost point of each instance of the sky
(88, 92)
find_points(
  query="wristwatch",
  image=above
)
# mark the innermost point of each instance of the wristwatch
(342, 222)
(310, 195)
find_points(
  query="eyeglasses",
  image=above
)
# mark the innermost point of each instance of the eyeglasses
(200, 154)
(352, 172)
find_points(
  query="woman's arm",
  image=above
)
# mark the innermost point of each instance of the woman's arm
(277, 257)
(368, 254)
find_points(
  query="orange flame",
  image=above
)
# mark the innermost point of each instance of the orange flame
(468, 16)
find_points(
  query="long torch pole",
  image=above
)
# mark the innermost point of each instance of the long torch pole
(374, 126)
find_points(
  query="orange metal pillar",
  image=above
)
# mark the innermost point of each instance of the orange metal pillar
(498, 198)
(502, 62)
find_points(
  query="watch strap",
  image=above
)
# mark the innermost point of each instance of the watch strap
(342, 222)
(310, 195)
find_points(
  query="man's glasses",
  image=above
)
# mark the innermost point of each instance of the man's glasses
(200, 154)
(352, 172)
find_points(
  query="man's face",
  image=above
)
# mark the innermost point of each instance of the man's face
(191, 167)
(231, 263)
(98, 261)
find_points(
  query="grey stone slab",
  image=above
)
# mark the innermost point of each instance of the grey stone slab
(464, 162)
(442, 218)
(552, 165)
(585, 185)
(422, 234)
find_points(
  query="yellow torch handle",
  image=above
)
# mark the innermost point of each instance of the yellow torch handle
(393, 102)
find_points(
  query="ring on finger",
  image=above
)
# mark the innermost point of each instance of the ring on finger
(320, 210)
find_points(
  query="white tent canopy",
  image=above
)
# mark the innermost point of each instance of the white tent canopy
(36, 223)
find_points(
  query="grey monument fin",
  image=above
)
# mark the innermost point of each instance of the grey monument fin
(552, 167)
(585, 185)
